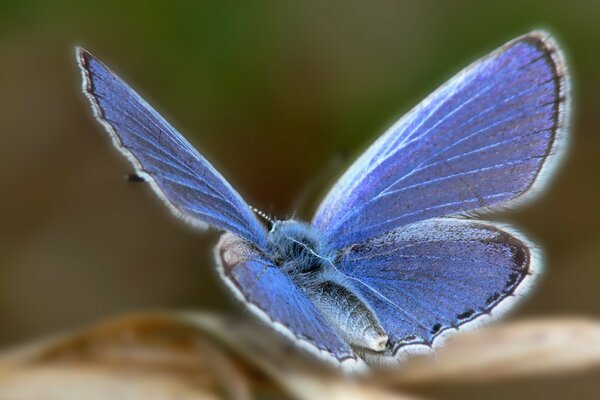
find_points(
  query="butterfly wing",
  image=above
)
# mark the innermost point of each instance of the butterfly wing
(438, 276)
(195, 191)
(271, 295)
(486, 138)
(189, 185)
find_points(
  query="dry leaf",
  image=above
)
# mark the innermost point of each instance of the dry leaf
(299, 373)
(204, 356)
(166, 356)
(504, 351)
(62, 382)
(143, 357)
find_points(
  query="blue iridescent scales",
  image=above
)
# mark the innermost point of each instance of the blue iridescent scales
(394, 259)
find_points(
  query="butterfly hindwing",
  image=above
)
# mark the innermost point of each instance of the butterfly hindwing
(270, 294)
(437, 276)
(487, 137)
(189, 185)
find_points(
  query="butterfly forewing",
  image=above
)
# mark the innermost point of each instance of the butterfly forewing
(483, 139)
(189, 185)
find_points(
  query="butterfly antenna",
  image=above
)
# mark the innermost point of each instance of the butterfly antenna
(270, 220)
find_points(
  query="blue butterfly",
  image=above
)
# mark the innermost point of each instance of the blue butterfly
(391, 263)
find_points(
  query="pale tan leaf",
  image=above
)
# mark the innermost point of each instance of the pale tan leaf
(309, 387)
(235, 358)
(517, 349)
(76, 382)
(174, 355)
(304, 377)
(131, 356)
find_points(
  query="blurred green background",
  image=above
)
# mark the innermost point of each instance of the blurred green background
(274, 93)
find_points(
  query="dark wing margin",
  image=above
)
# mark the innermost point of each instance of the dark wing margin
(431, 279)
(490, 137)
(190, 186)
(270, 295)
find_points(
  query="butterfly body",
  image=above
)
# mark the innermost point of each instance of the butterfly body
(395, 258)
(297, 250)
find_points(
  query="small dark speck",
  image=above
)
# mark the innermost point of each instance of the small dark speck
(512, 279)
(492, 298)
(134, 178)
(466, 314)
(519, 257)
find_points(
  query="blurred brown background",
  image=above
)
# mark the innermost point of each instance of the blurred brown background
(272, 93)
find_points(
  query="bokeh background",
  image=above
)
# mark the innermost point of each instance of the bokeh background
(280, 96)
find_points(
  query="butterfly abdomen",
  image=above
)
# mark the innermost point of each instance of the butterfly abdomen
(349, 314)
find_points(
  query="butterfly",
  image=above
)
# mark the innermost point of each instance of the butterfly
(394, 259)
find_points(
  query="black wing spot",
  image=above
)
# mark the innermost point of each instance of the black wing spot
(512, 279)
(519, 257)
(493, 298)
(467, 314)
(436, 328)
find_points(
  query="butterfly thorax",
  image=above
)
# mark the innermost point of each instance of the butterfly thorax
(297, 249)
